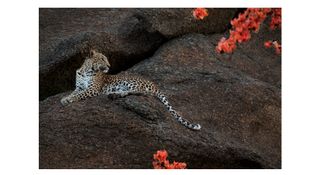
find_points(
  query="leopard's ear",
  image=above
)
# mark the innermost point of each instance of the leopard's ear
(92, 53)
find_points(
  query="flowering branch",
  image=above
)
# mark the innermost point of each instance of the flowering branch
(160, 161)
(246, 22)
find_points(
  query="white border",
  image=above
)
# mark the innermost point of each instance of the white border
(19, 83)
(161, 3)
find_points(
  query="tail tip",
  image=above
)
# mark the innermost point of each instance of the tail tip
(197, 127)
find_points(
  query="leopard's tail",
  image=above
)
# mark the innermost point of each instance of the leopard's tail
(181, 120)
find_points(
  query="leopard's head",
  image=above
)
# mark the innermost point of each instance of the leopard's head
(95, 62)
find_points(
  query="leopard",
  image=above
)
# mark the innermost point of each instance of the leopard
(93, 79)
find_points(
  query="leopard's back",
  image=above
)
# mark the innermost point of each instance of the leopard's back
(128, 84)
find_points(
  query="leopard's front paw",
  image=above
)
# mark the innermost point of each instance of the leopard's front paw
(65, 101)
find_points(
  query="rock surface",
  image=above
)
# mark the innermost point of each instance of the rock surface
(237, 101)
(126, 36)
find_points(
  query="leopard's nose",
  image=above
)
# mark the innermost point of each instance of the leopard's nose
(104, 69)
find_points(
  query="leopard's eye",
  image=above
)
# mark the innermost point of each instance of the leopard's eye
(92, 69)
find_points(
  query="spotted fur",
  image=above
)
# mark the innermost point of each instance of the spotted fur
(92, 80)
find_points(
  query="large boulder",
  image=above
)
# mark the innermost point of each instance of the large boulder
(239, 110)
(126, 36)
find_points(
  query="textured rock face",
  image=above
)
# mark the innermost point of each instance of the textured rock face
(237, 101)
(176, 22)
(126, 36)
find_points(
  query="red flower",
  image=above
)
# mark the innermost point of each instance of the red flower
(268, 44)
(160, 161)
(161, 155)
(275, 45)
(226, 45)
(176, 165)
(200, 13)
